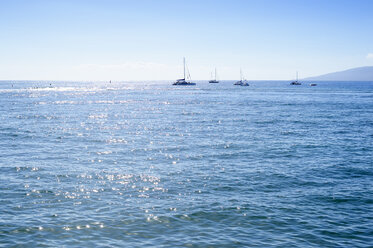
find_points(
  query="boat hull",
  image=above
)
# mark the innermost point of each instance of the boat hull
(183, 83)
(242, 83)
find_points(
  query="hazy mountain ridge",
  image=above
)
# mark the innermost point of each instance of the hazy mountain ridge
(355, 74)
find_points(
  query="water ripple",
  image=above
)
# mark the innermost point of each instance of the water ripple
(87, 164)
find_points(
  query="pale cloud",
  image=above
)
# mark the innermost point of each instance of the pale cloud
(126, 71)
(140, 70)
(145, 71)
(124, 66)
(370, 56)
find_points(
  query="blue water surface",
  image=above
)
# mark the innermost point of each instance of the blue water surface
(148, 164)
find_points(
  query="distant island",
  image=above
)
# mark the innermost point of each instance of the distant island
(355, 74)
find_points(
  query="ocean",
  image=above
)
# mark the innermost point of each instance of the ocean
(148, 164)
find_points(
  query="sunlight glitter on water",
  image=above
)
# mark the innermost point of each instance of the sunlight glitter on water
(153, 163)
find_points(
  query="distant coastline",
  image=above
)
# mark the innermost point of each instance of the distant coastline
(363, 74)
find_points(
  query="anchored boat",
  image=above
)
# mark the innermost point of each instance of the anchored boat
(242, 81)
(296, 81)
(214, 81)
(184, 80)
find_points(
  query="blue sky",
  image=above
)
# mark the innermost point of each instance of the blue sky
(145, 40)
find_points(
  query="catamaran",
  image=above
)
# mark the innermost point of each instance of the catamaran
(214, 81)
(296, 81)
(242, 81)
(184, 80)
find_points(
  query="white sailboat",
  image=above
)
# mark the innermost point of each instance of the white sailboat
(242, 81)
(214, 81)
(184, 80)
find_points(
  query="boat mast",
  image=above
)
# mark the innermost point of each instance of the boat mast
(184, 67)
(215, 73)
(297, 76)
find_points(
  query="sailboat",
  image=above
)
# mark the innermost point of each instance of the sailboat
(183, 80)
(296, 81)
(242, 81)
(214, 81)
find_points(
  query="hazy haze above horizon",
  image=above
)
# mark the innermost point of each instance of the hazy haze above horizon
(146, 40)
